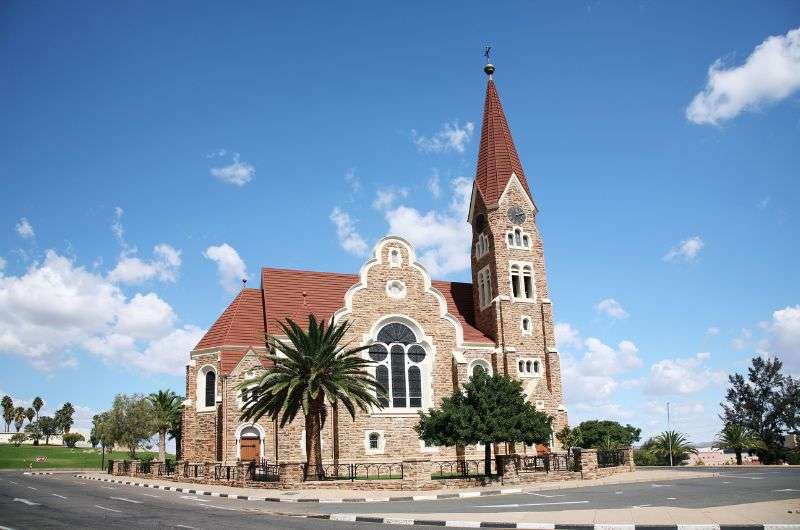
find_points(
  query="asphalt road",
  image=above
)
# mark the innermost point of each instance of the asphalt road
(57, 501)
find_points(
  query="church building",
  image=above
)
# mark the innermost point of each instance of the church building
(427, 336)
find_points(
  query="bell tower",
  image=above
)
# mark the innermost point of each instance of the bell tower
(510, 295)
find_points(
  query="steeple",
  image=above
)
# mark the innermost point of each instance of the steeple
(497, 157)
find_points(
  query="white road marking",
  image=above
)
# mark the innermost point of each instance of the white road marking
(641, 506)
(190, 498)
(744, 476)
(107, 509)
(125, 500)
(530, 504)
(32, 488)
(57, 495)
(672, 498)
(614, 527)
(220, 507)
(5, 528)
(660, 485)
(11, 481)
(150, 495)
(343, 517)
(536, 526)
(184, 526)
(726, 482)
(617, 493)
(787, 489)
(25, 501)
(548, 496)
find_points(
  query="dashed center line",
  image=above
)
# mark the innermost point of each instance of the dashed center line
(190, 498)
(184, 526)
(25, 501)
(530, 504)
(57, 495)
(150, 495)
(219, 507)
(32, 488)
(548, 496)
(125, 500)
(107, 509)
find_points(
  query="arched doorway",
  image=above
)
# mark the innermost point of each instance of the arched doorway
(249, 444)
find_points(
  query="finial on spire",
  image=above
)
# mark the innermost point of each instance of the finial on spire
(489, 68)
(244, 283)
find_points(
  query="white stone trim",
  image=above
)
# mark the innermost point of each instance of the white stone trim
(426, 449)
(522, 235)
(532, 367)
(261, 435)
(484, 301)
(522, 320)
(381, 442)
(399, 262)
(400, 294)
(482, 362)
(521, 265)
(200, 388)
(515, 180)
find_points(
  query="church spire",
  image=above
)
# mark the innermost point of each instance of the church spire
(497, 157)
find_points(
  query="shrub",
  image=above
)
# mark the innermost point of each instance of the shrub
(71, 438)
(18, 438)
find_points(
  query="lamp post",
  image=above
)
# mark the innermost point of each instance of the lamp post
(669, 437)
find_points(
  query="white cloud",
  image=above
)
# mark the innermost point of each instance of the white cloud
(567, 337)
(680, 376)
(57, 309)
(352, 180)
(442, 238)
(132, 270)
(763, 203)
(386, 197)
(349, 238)
(771, 73)
(601, 358)
(611, 308)
(237, 173)
(743, 340)
(687, 250)
(434, 186)
(25, 229)
(116, 227)
(713, 330)
(783, 337)
(230, 267)
(451, 137)
(2, 264)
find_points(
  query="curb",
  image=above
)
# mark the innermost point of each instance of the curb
(407, 498)
(541, 526)
(38, 473)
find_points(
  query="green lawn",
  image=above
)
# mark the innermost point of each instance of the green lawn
(58, 457)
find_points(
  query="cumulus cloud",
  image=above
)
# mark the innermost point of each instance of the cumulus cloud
(349, 238)
(687, 250)
(352, 180)
(680, 376)
(451, 137)
(230, 267)
(237, 172)
(567, 337)
(771, 73)
(611, 308)
(57, 309)
(434, 186)
(442, 238)
(712, 331)
(386, 197)
(25, 229)
(783, 337)
(132, 270)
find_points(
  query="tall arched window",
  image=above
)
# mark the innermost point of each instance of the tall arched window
(521, 281)
(211, 388)
(398, 357)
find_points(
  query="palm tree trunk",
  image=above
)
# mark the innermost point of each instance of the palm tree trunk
(313, 445)
(162, 445)
(738, 457)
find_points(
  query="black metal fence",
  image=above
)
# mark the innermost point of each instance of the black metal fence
(226, 472)
(193, 470)
(610, 458)
(145, 467)
(263, 472)
(459, 469)
(352, 472)
(545, 463)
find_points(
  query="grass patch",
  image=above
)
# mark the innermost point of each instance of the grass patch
(58, 457)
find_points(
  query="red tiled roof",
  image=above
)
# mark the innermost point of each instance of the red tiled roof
(295, 294)
(241, 324)
(497, 156)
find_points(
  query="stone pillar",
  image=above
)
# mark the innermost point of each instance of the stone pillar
(292, 473)
(241, 473)
(116, 468)
(627, 459)
(588, 463)
(180, 469)
(507, 468)
(135, 467)
(417, 472)
(155, 468)
(208, 471)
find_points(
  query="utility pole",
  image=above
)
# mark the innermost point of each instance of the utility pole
(669, 437)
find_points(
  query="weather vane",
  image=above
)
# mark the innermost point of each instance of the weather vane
(487, 52)
(489, 68)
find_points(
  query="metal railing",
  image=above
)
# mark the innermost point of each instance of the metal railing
(611, 458)
(126, 467)
(545, 463)
(193, 470)
(459, 469)
(357, 471)
(226, 472)
(144, 467)
(263, 472)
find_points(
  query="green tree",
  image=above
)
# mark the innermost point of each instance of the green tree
(491, 409)
(674, 443)
(166, 407)
(72, 438)
(130, 422)
(8, 411)
(49, 428)
(569, 438)
(791, 413)
(30, 413)
(737, 438)
(19, 417)
(101, 430)
(646, 456)
(598, 434)
(175, 433)
(37, 405)
(34, 432)
(314, 371)
(64, 417)
(18, 439)
(759, 403)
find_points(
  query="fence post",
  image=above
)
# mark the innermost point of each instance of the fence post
(180, 469)
(417, 472)
(627, 458)
(241, 472)
(291, 473)
(507, 468)
(588, 459)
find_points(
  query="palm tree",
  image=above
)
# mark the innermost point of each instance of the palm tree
(30, 413)
(19, 417)
(8, 411)
(166, 405)
(37, 405)
(739, 438)
(673, 443)
(314, 370)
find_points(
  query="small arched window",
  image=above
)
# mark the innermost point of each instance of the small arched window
(536, 367)
(211, 388)
(374, 440)
(521, 367)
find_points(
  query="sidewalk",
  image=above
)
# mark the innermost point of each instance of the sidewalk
(344, 495)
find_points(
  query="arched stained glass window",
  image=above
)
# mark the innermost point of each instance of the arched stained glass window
(399, 369)
(211, 388)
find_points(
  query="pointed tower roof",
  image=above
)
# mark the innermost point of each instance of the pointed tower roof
(497, 157)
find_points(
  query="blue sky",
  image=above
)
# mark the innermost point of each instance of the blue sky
(152, 154)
